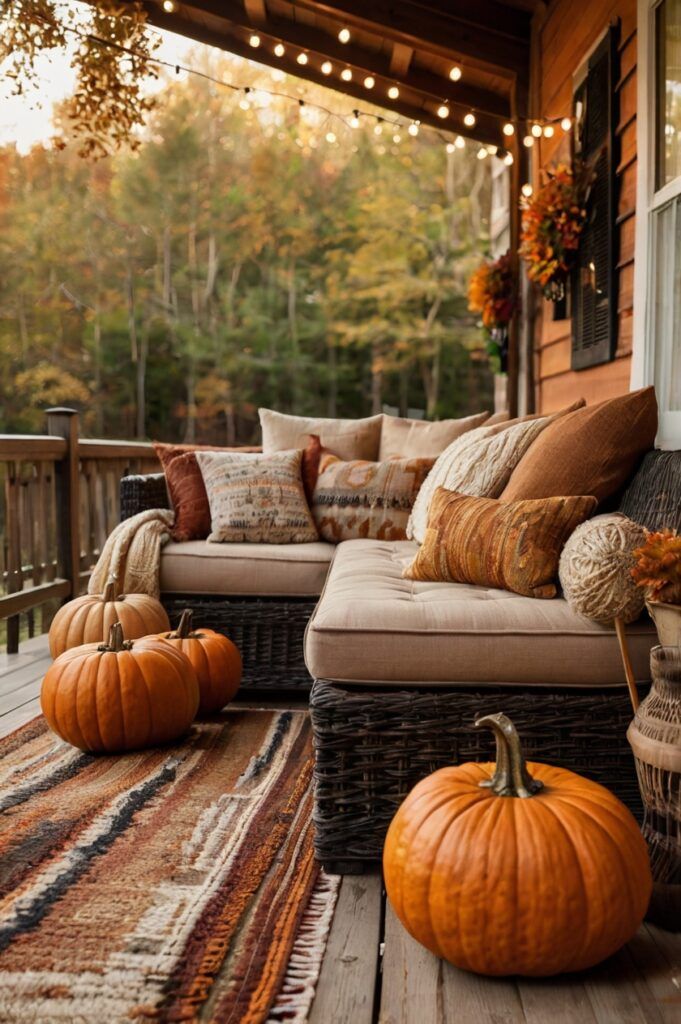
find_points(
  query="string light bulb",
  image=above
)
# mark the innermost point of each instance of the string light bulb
(526, 190)
(528, 141)
(279, 50)
(344, 35)
(508, 129)
(455, 73)
(566, 124)
(482, 153)
(369, 82)
(168, 6)
(327, 67)
(393, 92)
(354, 120)
(450, 147)
(443, 111)
(244, 104)
(536, 130)
(508, 159)
(548, 131)
(469, 119)
(378, 129)
(413, 129)
(331, 137)
(254, 41)
(397, 139)
(346, 75)
(302, 58)
(460, 142)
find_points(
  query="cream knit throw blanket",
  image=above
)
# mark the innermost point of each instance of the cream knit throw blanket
(132, 554)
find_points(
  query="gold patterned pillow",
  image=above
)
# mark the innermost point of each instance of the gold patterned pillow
(256, 498)
(366, 499)
(510, 545)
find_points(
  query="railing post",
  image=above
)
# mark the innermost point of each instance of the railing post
(64, 423)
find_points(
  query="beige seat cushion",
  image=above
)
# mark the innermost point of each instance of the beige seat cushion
(263, 570)
(371, 625)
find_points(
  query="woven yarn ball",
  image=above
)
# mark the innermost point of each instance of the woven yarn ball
(595, 569)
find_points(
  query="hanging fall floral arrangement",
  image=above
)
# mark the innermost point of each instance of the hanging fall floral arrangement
(492, 293)
(553, 221)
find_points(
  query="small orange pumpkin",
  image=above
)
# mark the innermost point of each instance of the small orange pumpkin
(122, 695)
(216, 661)
(505, 872)
(88, 619)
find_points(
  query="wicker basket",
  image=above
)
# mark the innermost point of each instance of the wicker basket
(372, 747)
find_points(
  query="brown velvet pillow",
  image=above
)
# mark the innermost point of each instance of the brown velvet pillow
(188, 492)
(594, 450)
(510, 545)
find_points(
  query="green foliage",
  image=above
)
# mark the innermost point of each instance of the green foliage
(238, 259)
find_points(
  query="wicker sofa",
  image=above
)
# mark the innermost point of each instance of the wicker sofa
(402, 669)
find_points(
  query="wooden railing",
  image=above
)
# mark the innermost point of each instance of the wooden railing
(59, 502)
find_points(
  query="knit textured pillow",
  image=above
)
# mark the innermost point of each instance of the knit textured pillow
(366, 499)
(508, 545)
(257, 498)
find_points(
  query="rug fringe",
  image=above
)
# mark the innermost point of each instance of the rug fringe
(294, 1000)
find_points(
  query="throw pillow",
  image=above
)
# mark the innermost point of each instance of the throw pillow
(256, 498)
(186, 488)
(509, 545)
(366, 499)
(591, 451)
(421, 439)
(349, 439)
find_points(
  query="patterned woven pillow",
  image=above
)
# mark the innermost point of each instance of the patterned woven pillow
(510, 545)
(366, 499)
(257, 498)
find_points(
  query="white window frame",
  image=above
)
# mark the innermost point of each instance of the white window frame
(649, 347)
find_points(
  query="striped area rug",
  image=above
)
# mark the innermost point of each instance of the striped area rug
(170, 885)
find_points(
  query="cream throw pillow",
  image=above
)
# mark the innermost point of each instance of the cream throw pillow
(422, 439)
(348, 439)
(478, 464)
(257, 498)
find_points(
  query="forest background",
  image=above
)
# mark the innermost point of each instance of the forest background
(251, 251)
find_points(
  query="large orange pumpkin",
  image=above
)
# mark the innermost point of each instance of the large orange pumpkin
(122, 695)
(516, 869)
(216, 661)
(88, 619)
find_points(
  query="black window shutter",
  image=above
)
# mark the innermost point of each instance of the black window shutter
(594, 281)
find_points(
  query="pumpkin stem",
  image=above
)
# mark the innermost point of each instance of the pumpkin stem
(511, 777)
(116, 641)
(184, 627)
(110, 589)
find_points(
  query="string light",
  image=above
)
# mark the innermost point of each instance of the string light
(413, 129)
(393, 92)
(346, 75)
(279, 50)
(566, 124)
(331, 137)
(369, 82)
(455, 73)
(450, 147)
(378, 130)
(482, 153)
(469, 119)
(244, 104)
(397, 139)
(443, 111)
(327, 67)
(460, 142)
(509, 129)
(254, 41)
(168, 6)
(536, 130)
(344, 35)
(528, 141)
(526, 190)
(302, 58)
(493, 150)
(508, 159)
(548, 131)
(354, 120)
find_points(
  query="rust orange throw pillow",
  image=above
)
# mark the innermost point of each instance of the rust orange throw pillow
(188, 492)
(508, 545)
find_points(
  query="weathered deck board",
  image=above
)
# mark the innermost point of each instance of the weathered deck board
(407, 985)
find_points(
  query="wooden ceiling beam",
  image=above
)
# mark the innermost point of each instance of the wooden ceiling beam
(256, 11)
(460, 95)
(487, 130)
(400, 59)
(436, 31)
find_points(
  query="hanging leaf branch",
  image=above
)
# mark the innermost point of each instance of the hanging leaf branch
(111, 60)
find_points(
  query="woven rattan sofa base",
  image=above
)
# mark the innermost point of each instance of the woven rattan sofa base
(372, 746)
(268, 631)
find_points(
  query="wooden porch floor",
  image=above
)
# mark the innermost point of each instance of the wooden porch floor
(374, 972)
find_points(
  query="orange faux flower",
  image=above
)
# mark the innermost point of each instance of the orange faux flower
(659, 566)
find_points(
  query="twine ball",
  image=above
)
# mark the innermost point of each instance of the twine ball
(595, 569)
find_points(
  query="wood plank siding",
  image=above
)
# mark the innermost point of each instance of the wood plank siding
(560, 43)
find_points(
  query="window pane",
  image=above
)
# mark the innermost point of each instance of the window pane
(668, 16)
(667, 292)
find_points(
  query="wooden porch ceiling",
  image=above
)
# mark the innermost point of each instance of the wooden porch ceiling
(411, 44)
